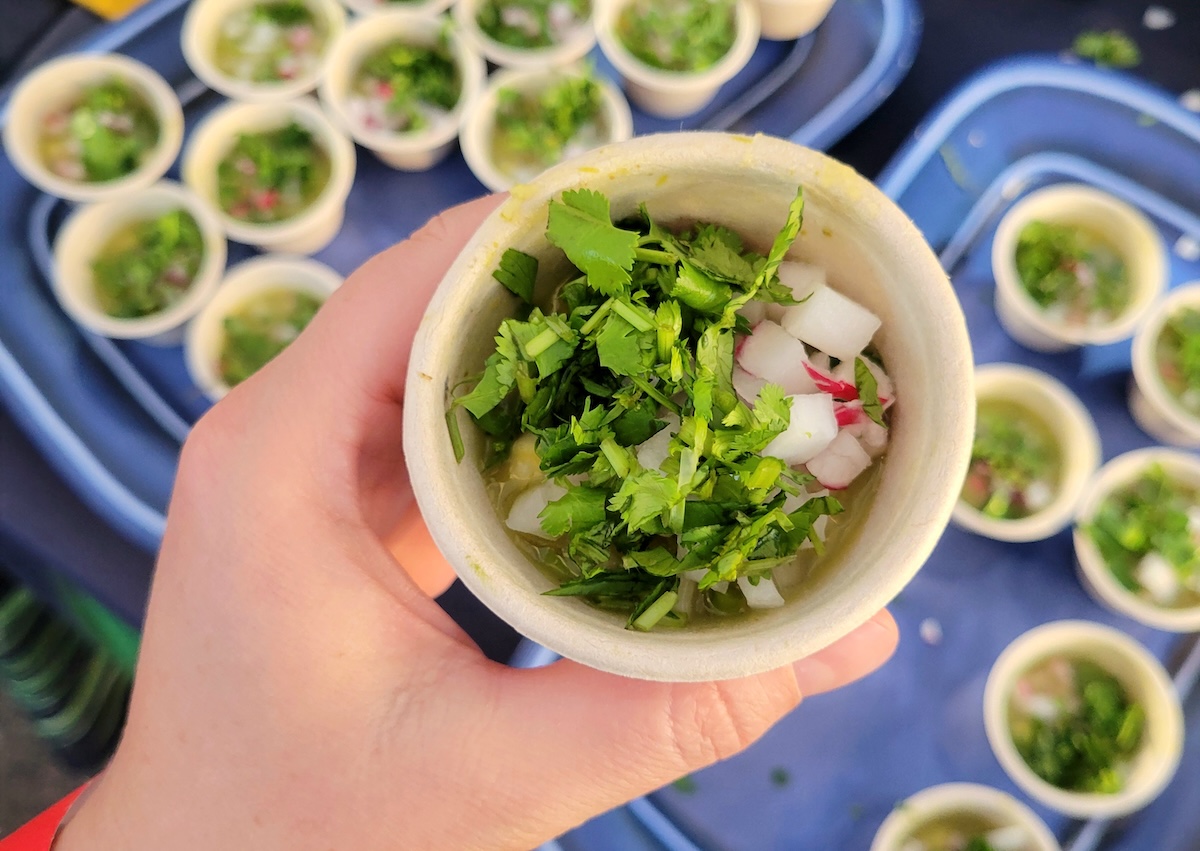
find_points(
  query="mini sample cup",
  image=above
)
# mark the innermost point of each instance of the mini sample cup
(872, 253)
(1157, 412)
(1132, 235)
(578, 43)
(783, 20)
(1145, 682)
(675, 94)
(203, 25)
(245, 281)
(90, 227)
(479, 129)
(961, 799)
(1074, 431)
(412, 151)
(53, 86)
(1095, 574)
(374, 7)
(312, 229)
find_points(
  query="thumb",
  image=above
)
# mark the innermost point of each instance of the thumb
(590, 741)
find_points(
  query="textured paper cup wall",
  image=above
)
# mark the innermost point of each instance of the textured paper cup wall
(872, 252)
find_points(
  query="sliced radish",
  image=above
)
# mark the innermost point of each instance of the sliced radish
(776, 356)
(523, 516)
(1158, 578)
(840, 463)
(812, 428)
(844, 371)
(828, 382)
(654, 451)
(801, 279)
(754, 311)
(871, 436)
(747, 385)
(849, 414)
(764, 595)
(832, 323)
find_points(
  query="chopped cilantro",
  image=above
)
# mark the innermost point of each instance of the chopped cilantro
(678, 35)
(531, 24)
(1073, 270)
(535, 130)
(1177, 353)
(1110, 49)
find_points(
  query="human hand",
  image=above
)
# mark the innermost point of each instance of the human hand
(297, 689)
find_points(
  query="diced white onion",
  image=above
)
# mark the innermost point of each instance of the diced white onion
(523, 516)
(764, 595)
(1156, 575)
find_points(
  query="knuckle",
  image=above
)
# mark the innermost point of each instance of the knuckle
(713, 721)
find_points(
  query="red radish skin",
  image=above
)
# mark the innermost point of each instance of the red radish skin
(828, 384)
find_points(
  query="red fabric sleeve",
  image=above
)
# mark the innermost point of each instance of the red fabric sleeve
(39, 834)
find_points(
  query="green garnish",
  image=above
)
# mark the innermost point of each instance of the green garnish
(147, 266)
(1072, 270)
(678, 35)
(978, 843)
(535, 130)
(1149, 517)
(530, 24)
(262, 328)
(272, 176)
(685, 784)
(1014, 462)
(1111, 49)
(780, 777)
(1086, 746)
(270, 42)
(410, 83)
(103, 135)
(647, 323)
(1177, 354)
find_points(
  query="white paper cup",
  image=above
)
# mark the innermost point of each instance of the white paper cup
(52, 86)
(672, 94)
(311, 230)
(873, 254)
(415, 151)
(245, 281)
(202, 25)
(1097, 579)
(952, 799)
(1134, 237)
(1144, 681)
(1158, 413)
(91, 226)
(375, 7)
(1073, 429)
(578, 43)
(479, 128)
(783, 20)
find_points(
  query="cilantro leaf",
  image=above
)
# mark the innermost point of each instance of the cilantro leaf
(868, 391)
(622, 348)
(581, 508)
(518, 272)
(581, 225)
(718, 251)
(499, 377)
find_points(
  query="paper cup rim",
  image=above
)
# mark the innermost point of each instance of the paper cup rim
(1164, 715)
(1117, 472)
(478, 128)
(638, 72)
(110, 215)
(946, 799)
(242, 282)
(749, 645)
(1144, 371)
(375, 31)
(1077, 437)
(1146, 289)
(210, 137)
(29, 100)
(578, 45)
(195, 35)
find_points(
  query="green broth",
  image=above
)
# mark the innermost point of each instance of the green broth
(104, 134)
(1072, 273)
(535, 130)
(961, 831)
(261, 328)
(148, 265)
(685, 36)
(270, 42)
(1074, 725)
(272, 176)
(405, 88)
(1016, 462)
(531, 24)
(1148, 533)
(1177, 357)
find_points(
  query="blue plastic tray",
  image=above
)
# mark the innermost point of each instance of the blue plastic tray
(852, 755)
(110, 416)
